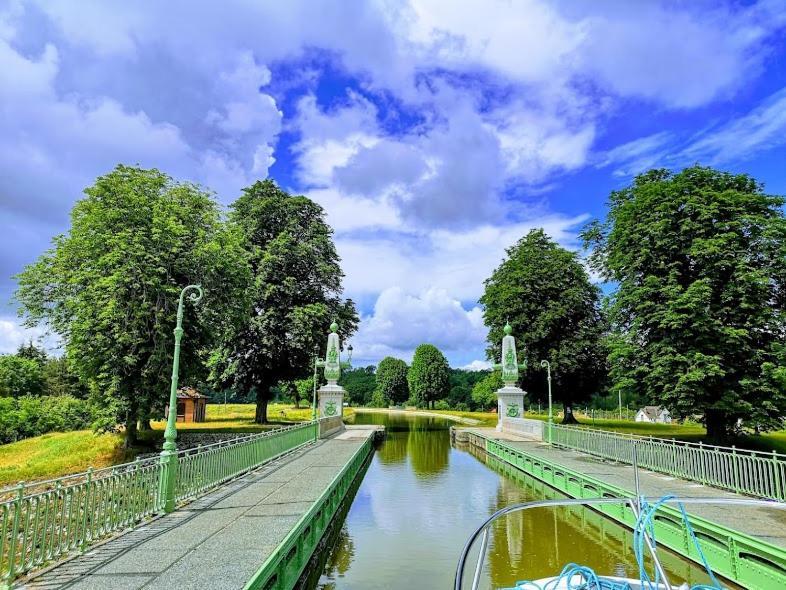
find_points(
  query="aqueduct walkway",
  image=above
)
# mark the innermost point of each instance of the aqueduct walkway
(256, 531)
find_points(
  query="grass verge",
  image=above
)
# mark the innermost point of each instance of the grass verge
(61, 453)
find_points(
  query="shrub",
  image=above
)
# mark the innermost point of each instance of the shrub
(28, 416)
(441, 405)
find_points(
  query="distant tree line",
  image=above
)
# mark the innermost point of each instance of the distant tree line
(39, 394)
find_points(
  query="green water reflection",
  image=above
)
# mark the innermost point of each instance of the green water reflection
(421, 498)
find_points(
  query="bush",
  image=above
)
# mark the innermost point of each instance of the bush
(441, 405)
(378, 400)
(28, 416)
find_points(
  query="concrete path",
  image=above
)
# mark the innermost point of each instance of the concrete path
(766, 524)
(218, 541)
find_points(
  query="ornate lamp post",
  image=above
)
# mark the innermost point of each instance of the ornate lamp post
(547, 366)
(169, 453)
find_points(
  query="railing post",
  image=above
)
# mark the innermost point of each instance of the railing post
(166, 482)
(736, 464)
(776, 475)
(15, 534)
(83, 544)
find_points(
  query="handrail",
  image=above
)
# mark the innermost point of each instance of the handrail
(633, 503)
(685, 443)
(753, 473)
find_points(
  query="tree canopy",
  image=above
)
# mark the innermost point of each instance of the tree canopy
(392, 380)
(359, 383)
(295, 293)
(484, 393)
(699, 257)
(110, 286)
(428, 377)
(546, 295)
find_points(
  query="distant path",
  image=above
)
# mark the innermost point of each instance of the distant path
(459, 419)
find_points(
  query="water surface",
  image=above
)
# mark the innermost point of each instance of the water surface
(421, 499)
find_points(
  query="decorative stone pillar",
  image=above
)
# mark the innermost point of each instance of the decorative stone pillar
(331, 396)
(510, 398)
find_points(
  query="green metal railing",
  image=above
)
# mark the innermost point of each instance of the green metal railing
(46, 520)
(205, 467)
(754, 473)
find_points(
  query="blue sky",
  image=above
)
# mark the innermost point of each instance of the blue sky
(434, 134)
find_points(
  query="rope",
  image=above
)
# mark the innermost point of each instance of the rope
(579, 577)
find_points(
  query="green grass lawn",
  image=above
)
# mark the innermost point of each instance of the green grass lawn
(61, 453)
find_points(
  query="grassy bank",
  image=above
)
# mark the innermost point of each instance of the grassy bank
(61, 453)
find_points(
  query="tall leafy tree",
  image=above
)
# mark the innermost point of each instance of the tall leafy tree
(110, 287)
(392, 380)
(20, 375)
(545, 293)
(484, 393)
(295, 293)
(429, 375)
(700, 261)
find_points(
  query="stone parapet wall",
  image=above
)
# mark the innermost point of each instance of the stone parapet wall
(523, 427)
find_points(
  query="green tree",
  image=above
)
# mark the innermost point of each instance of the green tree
(304, 390)
(360, 384)
(20, 376)
(699, 257)
(392, 380)
(484, 394)
(462, 382)
(428, 377)
(62, 379)
(545, 293)
(295, 293)
(32, 352)
(110, 287)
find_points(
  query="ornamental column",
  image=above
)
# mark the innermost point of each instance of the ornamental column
(331, 396)
(510, 397)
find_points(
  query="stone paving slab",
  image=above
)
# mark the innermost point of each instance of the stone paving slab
(766, 524)
(218, 541)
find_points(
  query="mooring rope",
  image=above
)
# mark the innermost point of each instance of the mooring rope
(579, 577)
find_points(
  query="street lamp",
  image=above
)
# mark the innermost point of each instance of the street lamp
(547, 366)
(169, 452)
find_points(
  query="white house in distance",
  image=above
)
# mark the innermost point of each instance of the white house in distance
(653, 414)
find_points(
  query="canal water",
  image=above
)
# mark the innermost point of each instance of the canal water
(421, 498)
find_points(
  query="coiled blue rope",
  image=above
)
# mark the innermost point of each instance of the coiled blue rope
(579, 577)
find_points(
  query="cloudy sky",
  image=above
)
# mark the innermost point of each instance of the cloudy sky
(434, 133)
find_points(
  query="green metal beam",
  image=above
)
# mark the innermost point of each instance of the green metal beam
(285, 566)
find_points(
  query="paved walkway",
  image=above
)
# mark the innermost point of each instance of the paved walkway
(766, 524)
(218, 541)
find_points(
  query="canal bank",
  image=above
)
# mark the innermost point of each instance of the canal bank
(422, 497)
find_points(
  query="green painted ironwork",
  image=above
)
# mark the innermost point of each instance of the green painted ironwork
(45, 521)
(284, 567)
(201, 469)
(169, 453)
(753, 473)
(741, 558)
